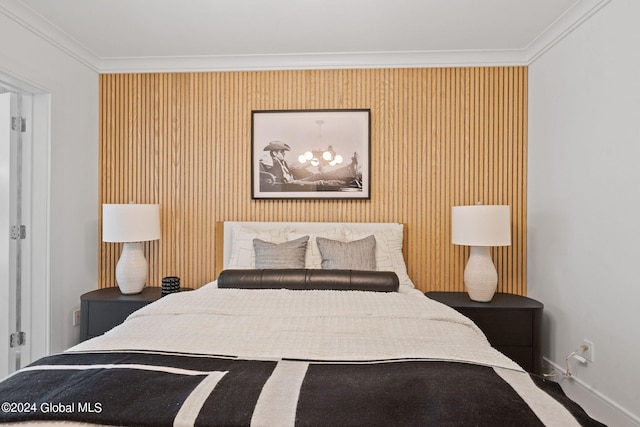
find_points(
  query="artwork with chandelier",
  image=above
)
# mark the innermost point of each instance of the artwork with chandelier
(310, 154)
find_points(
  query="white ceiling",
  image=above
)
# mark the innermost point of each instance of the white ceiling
(146, 35)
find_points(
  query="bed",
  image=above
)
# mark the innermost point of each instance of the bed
(308, 324)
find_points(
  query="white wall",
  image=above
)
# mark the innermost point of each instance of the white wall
(584, 206)
(71, 152)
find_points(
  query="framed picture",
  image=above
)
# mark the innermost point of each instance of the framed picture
(310, 154)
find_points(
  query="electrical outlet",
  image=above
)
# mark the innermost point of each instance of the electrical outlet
(76, 317)
(588, 353)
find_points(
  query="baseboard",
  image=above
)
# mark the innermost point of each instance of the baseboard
(595, 403)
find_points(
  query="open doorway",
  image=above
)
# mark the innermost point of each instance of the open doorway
(24, 142)
(14, 252)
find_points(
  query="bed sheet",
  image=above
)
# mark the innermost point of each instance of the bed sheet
(317, 325)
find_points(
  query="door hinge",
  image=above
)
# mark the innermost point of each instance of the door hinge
(18, 232)
(19, 124)
(17, 339)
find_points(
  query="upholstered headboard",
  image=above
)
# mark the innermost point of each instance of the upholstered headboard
(225, 230)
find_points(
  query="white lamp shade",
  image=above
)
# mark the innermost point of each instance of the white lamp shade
(130, 222)
(481, 225)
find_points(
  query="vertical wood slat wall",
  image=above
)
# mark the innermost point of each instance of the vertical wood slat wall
(440, 137)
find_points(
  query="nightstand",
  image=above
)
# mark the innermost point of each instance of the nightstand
(102, 309)
(512, 324)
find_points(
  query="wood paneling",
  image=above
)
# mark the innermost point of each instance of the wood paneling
(440, 137)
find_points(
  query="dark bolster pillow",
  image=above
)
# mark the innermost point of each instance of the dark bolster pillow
(308, 279)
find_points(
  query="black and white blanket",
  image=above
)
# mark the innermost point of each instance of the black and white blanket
(148, 388)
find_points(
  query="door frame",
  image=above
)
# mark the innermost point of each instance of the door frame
(36, 216)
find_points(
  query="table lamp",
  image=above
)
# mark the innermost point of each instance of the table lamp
(480, 227)
(131, 224)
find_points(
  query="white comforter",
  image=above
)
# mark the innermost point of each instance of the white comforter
(317, 325)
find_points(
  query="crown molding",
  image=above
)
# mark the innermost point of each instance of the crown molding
(564, 25)
(313, 61)
(36, 24)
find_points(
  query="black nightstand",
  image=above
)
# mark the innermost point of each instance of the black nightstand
(512, 324)
(102, 309)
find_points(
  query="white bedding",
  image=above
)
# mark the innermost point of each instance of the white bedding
(318, 325)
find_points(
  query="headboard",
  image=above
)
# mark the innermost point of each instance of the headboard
(223, 233)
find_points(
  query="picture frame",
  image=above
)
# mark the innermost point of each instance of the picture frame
(310, 154)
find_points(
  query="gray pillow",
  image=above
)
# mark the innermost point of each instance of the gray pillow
(283, 255)
(355, 255)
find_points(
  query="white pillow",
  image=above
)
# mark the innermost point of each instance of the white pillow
(313, 258)
(243, 255)
(388, 250)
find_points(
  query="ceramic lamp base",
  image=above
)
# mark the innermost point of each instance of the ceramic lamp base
(480, 276)
(131, 270)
